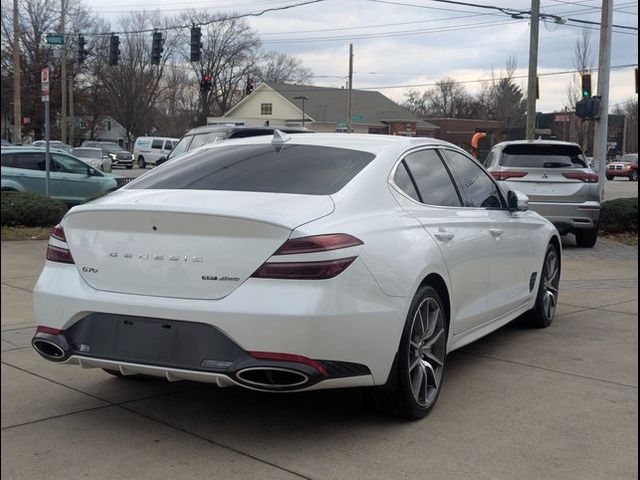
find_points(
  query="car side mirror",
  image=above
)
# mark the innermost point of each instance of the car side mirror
(518, 201)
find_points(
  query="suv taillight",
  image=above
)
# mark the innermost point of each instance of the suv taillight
(506, 175)
(583, 177)
(310, 270)
(58, 250)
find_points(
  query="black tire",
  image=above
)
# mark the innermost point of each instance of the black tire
(399, 397)
(544, 311)
(634, 176)
(141, 163)
(587, 238)
(610, 178)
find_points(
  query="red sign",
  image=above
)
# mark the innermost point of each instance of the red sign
(44, 78)
(44, 75)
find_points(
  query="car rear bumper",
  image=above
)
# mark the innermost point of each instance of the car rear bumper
(619, 173)
(346, 323)
(568, 217)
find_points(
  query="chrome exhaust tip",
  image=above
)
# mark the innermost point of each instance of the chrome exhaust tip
(49, 348)
(272, 378)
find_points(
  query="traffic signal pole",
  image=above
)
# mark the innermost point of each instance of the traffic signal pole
(601, 128)
(533, 69)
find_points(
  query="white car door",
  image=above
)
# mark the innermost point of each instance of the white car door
(510, 236)
(434, 199)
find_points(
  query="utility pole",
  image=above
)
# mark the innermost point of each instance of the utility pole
(63, 77)
(350, 91)
(72, 120)
(533, 69)
(17, 104)
(602, 123)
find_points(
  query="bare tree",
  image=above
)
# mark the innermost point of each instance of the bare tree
(448, 99)
(630, 110)
(276, 67)
(132, 87)
(229, 55)
(578, 130)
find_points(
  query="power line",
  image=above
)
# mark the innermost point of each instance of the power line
(203, 24)
(515, 77)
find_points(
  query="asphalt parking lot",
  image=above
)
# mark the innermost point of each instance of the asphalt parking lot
(560, 403)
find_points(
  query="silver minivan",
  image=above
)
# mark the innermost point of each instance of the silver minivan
(148, 150)
(558, 180)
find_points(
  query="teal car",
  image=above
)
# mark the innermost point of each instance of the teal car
(71, 180)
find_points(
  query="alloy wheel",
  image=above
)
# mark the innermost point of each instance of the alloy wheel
(427, 352)
(550, 283)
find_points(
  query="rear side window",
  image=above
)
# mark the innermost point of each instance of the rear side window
(30, 161)
(403, 182)
(302, 169)
(478, 188)
(156, 144)
(435, 185)
(543, 156)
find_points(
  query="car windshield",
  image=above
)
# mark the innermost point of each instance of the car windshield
(182, 146)
(86, 153)
(301, 169)
(543, 156)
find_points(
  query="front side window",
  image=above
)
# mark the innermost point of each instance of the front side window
(299, 169)
(266, 109)
(65, 164)
(435, 186)
(478, 188)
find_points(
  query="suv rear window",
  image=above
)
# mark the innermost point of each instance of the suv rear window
(301, 169)
(543, 156)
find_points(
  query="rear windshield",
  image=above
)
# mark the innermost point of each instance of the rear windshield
(543, 156)
(302, 169)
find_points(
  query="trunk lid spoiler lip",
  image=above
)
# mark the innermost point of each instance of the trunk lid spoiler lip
(254, 209)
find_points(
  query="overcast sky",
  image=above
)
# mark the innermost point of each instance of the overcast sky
(404, 43)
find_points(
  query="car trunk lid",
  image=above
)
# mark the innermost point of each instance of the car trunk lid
(183, 243)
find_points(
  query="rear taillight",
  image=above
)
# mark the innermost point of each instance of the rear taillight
(318, 243)
(303, 270)
(313, 269)
(58, 251)
(506, 175)
(583, 177)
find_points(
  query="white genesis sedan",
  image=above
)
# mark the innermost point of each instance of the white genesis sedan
(295, 263)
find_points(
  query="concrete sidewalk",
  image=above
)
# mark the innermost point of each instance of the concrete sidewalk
(560, 403)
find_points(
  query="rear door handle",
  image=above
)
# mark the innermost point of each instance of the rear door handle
(444, 235)
(496, 232)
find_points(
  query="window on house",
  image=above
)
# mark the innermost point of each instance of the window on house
(108, 123)
(266, 109)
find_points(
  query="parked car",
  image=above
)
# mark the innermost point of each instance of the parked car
(625, 166)
(96, 157)
(57, 144)
(118, 155)
(148, 150)
(71, 180)
(303, 262)
(200, 136)
(558, 181)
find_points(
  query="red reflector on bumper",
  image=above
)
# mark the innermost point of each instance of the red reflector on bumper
(289, 357)
(49, 330)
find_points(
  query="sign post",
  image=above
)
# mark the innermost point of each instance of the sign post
(44, 80)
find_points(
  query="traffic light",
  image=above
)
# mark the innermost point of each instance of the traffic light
(196, 44)
(156, 48)
(205, 83)
(248, 87)
(586, 85)
(82, 52)
(114, 50)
